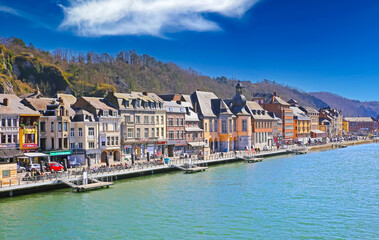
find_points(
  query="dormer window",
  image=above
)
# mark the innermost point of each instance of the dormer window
(152, 105)
(170, 109)
(126, 104)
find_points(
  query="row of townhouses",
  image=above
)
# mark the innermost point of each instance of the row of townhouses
(143, 125)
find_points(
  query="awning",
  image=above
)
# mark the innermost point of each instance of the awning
(317, 131)
(10, 153)
(197, 144)
(36, 154)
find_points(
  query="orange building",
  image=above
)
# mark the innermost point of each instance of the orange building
(281, 109)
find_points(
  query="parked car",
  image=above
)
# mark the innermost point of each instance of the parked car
(20, 169)
(74, 163)
(54, 167)
(34, 166)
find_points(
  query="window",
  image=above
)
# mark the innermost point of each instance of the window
(146, 132)
(177, 134)
(15, 138)
(52, 143)
(157, 132)
(60, 143)
(215, 127)
(60, 126)
(244, 125)
(52, 127)
(3, 122)
(211, 125)
(152, 120)
(171, 122)
(14, 122)
(146, 119)
(224, 127)
(130, 132)
(206, 127)
(9, 122)
(182, 122)
(42, 126)
(91, 131)
(9, 138)
(162, 132)
(112, 138)
(138, 133)
(177, 121)
(108, 141)
(182, 135)
(80, 145)
(171, 134)
(80, 132)
(65, 126)
(230, 125)
(234, 125)
(3, 137)
(6, 173)
(72, 132)
(103, 142)
(153, 132)
(72, 145)
(162, 120)
(117, 141)
(138, 119)
(127, 119)
(157, 120)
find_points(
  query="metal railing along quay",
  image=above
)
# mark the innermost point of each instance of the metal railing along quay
(29, 180)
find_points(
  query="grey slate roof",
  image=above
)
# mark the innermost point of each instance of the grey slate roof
(173, 107)
(14, 105)
(257, 112)
(359, 119)
(299, 114)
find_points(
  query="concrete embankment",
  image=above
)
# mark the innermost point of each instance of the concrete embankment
(53, 183)
(329, 146)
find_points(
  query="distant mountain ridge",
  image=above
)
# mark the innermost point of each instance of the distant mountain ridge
(24, 68)
(349, 108)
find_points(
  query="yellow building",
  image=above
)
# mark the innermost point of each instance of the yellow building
(345, 126)
(28, 133)
(301, 123)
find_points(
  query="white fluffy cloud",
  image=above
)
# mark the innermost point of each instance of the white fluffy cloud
(147, 17)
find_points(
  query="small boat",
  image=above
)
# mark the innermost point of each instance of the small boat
(300, 151)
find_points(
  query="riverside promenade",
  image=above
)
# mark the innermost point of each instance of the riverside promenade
(56, 180)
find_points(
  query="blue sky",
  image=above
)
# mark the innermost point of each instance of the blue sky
(315, 45)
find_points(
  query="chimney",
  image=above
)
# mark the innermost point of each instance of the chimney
(145, 93)
(60, 99)
(6, 101)
(274, 94)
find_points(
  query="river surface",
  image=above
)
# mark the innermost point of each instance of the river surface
(322, 195)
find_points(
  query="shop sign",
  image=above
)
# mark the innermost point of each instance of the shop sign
(161, 142)
(8, 145)
(30, 145)
(176, 142)
(143, 139)
(68, 152)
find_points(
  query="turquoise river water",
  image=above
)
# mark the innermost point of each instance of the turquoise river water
(322, 195)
